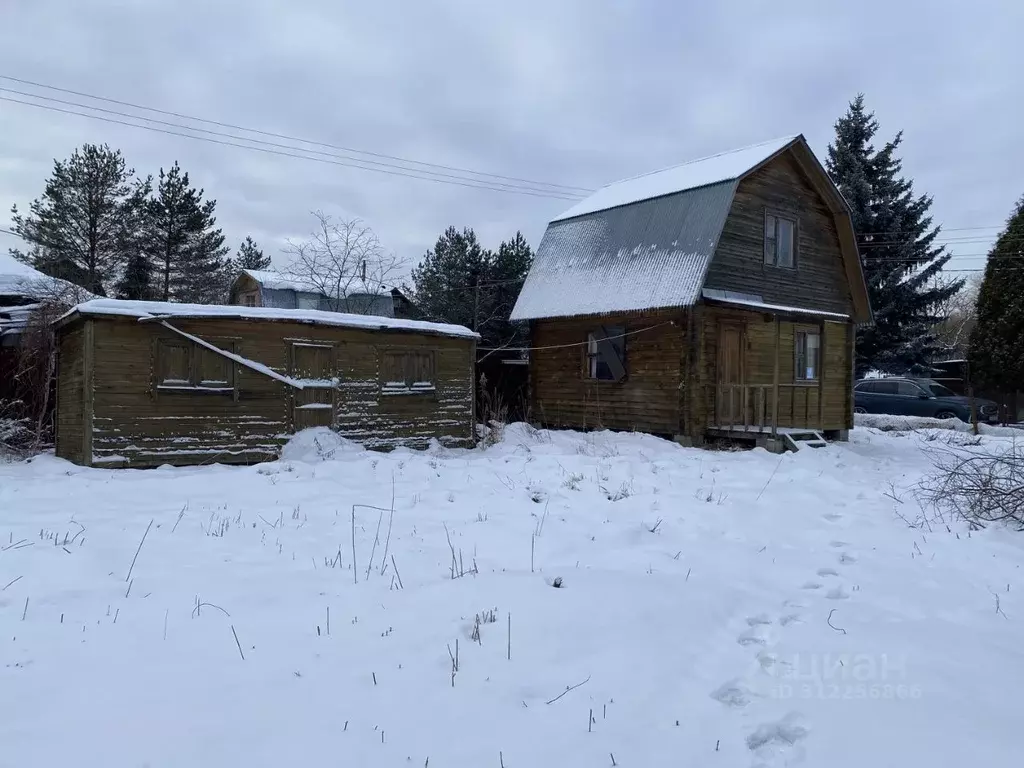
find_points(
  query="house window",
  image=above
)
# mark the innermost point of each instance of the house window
(184, 366)
(606, 353)
(249, 299)
(407, 372)
(779, 241)
(808, 356)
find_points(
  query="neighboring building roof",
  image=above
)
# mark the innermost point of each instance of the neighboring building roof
(23, 289)
(647, 242)
(17, 279)
(158, 310)
(282, 281)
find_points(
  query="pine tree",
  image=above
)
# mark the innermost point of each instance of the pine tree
(450, 279)
(460, 281)
(897, 247)
(249, 256)
(187, 249)
(81, 227)
(996, 353)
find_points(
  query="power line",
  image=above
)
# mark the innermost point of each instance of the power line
(413, 175)
(360, 161)
(570, 189)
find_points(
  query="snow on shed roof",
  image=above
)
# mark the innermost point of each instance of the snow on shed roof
(283, 281)
(152, 310)
(725, 166)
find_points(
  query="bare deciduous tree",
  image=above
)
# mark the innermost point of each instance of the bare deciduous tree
(976, 484)
(342, 257)
(960, 315)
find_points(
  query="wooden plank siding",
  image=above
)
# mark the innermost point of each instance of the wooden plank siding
(137, 424)
(818, 281)
(647, 399)
(824, 404)
(70, 416)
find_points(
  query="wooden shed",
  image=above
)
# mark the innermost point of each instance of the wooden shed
(143, 384)
(717, 298)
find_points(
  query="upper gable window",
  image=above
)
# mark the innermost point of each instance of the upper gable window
(779, 241)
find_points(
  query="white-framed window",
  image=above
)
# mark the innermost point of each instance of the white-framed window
(606, 354)
(808, 356)
(779, 241)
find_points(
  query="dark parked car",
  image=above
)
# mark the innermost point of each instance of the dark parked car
(918, 397)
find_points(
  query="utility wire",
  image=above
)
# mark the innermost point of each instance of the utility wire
(361, 161)
(412, 175)
(575, 190)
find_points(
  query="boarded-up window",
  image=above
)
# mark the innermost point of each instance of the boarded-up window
(808, 355)
(215, 371)
(407, 371)
(183, 365)
(174, 364)
(606, 353)
(779, 241)
(313, 362)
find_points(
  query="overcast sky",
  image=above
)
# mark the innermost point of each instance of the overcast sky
(579, 93)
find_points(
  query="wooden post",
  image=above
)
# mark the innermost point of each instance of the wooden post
(775, 382)
(88, 368)
(821, 377)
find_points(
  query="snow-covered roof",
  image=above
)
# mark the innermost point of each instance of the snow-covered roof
(725, 166)
(17, 279)
(283, 281)
(152, 310)
(28, 288)
(652, 254)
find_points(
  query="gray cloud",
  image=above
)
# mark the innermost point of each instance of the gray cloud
(577, 92)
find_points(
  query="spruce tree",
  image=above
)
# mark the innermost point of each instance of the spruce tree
(996, 352)
(897, 248)
(185, 245)
(250, 256)
(511, 264)
(82, 226)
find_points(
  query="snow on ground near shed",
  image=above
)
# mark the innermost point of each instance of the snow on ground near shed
(692, 620)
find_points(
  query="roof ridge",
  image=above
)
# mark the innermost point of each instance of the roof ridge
(787, 139)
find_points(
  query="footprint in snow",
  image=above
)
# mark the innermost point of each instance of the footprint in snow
(811, 585)
(832, 516)
(828, 572)
(779, 739)
(733, 694)
(752, 636)
(838, 544)
(758, 620)
(789, 618)
(837, 593)
(846, 558)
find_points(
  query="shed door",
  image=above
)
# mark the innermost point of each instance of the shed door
(730, 395)
(313, 364)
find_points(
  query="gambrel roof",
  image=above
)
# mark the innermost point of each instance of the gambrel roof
(647, 242)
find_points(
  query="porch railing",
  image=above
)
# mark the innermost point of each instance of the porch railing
(748, 407)
(757, 407)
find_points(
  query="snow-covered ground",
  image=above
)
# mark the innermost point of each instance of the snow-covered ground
(702, 609)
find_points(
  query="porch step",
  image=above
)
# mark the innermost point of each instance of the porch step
(810, 438)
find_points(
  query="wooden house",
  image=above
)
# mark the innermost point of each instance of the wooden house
(717, 298)
(148, 383)
(355, 295)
